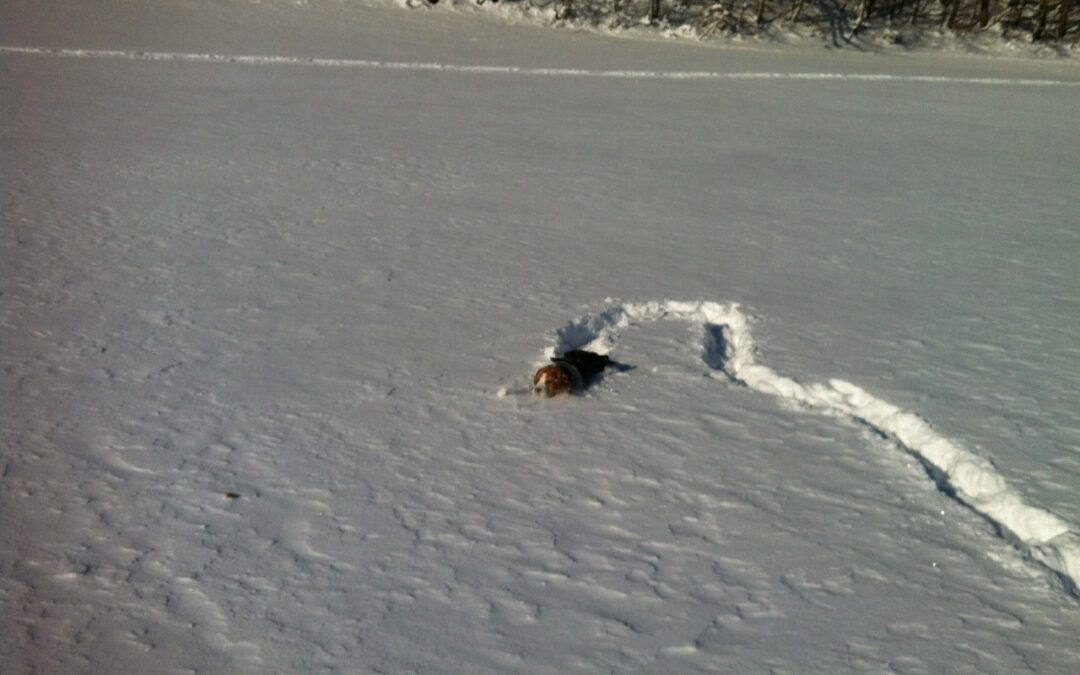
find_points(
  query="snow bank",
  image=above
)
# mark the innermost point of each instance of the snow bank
(728, 346)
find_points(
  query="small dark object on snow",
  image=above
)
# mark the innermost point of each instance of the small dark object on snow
(572, 371)
(232, 495)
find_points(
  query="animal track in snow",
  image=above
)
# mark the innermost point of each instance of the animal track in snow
(727, 347)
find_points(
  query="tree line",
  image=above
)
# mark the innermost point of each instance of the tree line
(1035, 20)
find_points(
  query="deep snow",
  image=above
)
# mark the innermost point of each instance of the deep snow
(257, 316)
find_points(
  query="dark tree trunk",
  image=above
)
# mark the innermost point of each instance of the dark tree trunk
(654, 10)
(1063, 18)
(951, 23)
(1040, 20)
(1018, 15)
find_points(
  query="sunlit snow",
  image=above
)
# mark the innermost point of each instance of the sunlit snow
(275, 277)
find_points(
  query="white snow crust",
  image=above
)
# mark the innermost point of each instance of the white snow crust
(273, 274)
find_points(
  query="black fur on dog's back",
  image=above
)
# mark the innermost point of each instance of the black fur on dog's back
(589, 364)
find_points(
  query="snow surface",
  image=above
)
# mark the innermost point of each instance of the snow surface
(269, 291)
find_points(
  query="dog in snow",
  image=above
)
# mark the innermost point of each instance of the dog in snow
(572, 372)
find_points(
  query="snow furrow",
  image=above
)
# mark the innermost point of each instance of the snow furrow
(367, 64)
(728, 346)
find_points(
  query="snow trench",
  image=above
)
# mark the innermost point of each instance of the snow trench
(728, 348)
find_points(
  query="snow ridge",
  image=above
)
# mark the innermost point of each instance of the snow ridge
(271, 60)
(728, 347)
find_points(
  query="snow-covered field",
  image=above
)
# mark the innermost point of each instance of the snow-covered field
(265, 322)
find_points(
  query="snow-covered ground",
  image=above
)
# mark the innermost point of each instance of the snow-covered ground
(264, 323)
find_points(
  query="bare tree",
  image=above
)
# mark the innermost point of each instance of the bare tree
(1040, 20)
(867, 10)
(1018, 14)
(950, 17)
(1063, 18)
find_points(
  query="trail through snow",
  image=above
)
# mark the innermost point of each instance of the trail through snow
(728, 345)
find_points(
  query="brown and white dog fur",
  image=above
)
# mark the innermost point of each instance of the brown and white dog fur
(552, 380)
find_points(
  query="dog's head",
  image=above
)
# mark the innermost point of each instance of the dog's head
(552, 380)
